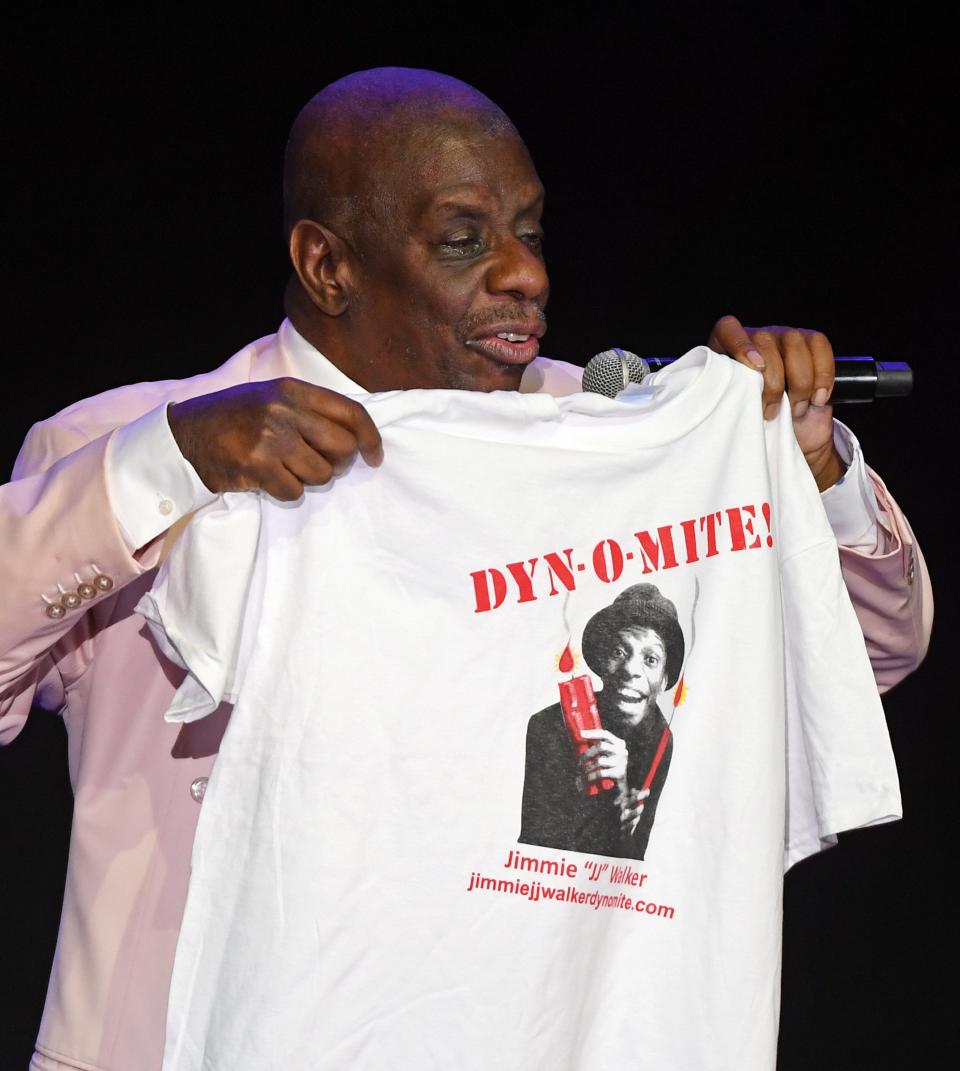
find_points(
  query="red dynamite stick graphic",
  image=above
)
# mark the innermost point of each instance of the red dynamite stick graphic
(657, 756)
(579, 705)
(664, 737)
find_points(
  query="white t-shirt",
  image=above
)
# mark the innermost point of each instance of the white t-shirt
(396, 644)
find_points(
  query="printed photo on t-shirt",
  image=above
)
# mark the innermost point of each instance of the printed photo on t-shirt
(597, 761)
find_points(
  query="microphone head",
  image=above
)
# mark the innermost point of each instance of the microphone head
(609, 372)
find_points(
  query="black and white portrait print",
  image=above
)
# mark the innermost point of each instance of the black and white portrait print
(596, 789)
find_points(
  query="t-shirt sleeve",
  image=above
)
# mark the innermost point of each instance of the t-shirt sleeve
(202, 604)
(841, 772)
(840, 768)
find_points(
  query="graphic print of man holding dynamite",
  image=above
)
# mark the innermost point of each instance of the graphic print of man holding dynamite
(597, 763)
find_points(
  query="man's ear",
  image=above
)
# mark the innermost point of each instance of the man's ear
(322, 261)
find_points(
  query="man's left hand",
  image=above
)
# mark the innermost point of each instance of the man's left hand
(632, 801)
(801, 363)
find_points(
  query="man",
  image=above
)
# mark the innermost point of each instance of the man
(413, 213)
(635, 645)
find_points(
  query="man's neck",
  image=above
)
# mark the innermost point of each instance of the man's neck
(307, 322)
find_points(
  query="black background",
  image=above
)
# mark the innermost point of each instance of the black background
(787, 163)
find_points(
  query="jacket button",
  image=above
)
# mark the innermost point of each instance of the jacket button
(86, 591)
(54, 611)
(198, 788)
(71, 600)
(102, 582)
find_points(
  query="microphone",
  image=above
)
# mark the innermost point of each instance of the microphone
(857, 379)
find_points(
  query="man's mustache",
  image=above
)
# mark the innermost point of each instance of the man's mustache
(517, 311)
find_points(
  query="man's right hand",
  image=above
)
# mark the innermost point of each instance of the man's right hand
(276, 436)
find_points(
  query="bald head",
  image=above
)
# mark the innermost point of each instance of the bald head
(413, 218)
(346, 139)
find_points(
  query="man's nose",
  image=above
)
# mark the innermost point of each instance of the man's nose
(632, 667)
(519, 272)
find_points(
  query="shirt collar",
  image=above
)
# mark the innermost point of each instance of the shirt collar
(310, 365)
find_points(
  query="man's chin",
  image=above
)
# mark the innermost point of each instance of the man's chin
(485, 376)
(507, 377)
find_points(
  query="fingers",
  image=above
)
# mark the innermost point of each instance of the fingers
(281, 484)
(606, 758)
(767, 342)
(824, 367)
(631, 808)
(329, 430)
(757, 349)
(729, 336)
(309, 467)
(634, 799)
(794, 360)
(606, 744)
(331, 446)
(285, 478)
(808, 368)
(337, 410)
(798, 371)
(273, 435)
(602, 764)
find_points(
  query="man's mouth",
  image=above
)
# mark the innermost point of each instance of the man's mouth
(631, 697)
(509, 343)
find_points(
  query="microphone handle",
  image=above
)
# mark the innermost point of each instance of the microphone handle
(858, 379)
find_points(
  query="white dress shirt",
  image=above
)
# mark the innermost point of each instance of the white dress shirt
(152, 485)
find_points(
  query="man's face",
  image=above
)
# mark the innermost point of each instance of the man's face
(451, 286)
(633, 673)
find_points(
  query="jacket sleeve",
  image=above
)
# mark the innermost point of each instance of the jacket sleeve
(59, 535)
(892, 596)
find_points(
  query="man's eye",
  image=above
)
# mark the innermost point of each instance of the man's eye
(533, 239)
(463, 246)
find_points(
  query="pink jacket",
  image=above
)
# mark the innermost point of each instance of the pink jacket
(138, 781)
